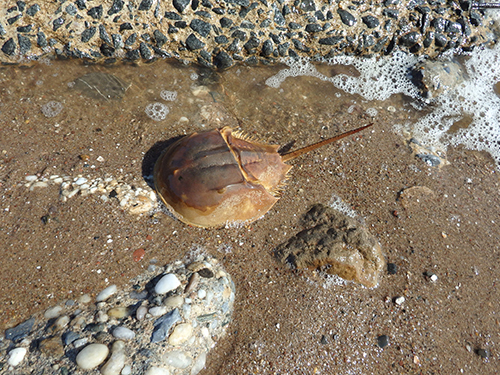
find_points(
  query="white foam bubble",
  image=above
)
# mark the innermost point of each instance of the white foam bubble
(157, 111)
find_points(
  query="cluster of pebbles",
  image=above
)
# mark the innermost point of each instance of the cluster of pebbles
(165, 322)
(138, 198)
(218, 33)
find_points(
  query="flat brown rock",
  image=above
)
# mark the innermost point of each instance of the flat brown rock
(335, 243)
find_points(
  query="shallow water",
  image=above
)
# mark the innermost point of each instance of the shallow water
(284, 322)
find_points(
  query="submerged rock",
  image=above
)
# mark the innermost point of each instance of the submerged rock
(335, 243)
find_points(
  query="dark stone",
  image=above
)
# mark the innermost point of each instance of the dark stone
(283, 48)
(313, 28)
(409, 39)
(116, 7)
(265, 24)
(71, 9)
(247, 25)
(380, 44)
(276, 38)
(131, 39)
(483, 353)
(32, 10)
(146, 37)
(424, 23)
(429, 37)
(126, 26)
(23, 329)
(439, 24)
(300, 46)
(252, 45)
(370, 21)
(24, 44)
(423, 9)
(12, 9)
(465, 27)
(324, 340)
(221, 39)
(320, 16)
(194, 4)
(390, 46)
(294, 26)
(203, 13)
(243, 3)
(225, 22)
(286, 10)
(475, 18)
(180, 5)
(383, 341)
(193, 43)
(391, 13)
(429, 159)
(145, 51)
(279, 19)
(222, 61)
(440, 40)
(24, 29)
(173, 16)
(106, 49)
(238, 34)
(41, 39)
(412, 4)
(267, 50)
(346, 17)
(57, 23)
(453, 27)
(308, 5)
(172, 29)
(95, 12)
(159, 38)
(164, 323)
(11, 20)
(80, 4)
(103, 34)
(87, 34)
(330, 41)
(21, 5)
(219, 11)
(392, 268)
(145, 4)
(391, 2)
(201, 27)
(234, 47)
(180, 24)
(133, 55)
(206, 4)
(117, 41)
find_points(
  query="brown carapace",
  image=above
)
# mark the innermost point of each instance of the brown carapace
(217, 177)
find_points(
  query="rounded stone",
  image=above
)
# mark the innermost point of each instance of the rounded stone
(383, 341)
(123, 333)
(92, 356)
(106, 293)
(370, 21)
(181, 333)
(166, 284)
(16, 356)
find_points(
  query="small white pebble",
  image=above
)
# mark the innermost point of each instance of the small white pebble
(399, 300)
(92, 356)
(53, 312)
(167, 283)
(16, 356)
(106, 293)
(202, 293)
(127, 370)
(434, 277)
(81, 181)
(31, 178)
(123, 333)
(157, 371)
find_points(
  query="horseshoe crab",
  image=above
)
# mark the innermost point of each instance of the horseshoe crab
(211, 178)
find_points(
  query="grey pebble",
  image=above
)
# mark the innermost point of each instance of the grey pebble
(69, 337)
(383, 341)
(193, 43)
(370, 21)
(163, 325)
(346, 17)
(20, 331)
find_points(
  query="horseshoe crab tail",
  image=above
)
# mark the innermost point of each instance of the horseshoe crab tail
(302, 151)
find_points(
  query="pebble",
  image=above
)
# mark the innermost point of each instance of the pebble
(157, 371)
(383, 341)
(92, 356)
(53, 312)
(123, 333)
(178, 359)
(163, 325)
(20, 331)
(174, 301)
(16, 356)
(399, 300)
(106, 293)
(117, 360)
(166, 284)
(119, 312)
(392, 268)
(182, 332)
(141, 312)
(483, 353)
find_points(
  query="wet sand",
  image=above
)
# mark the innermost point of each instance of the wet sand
(284, 322)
